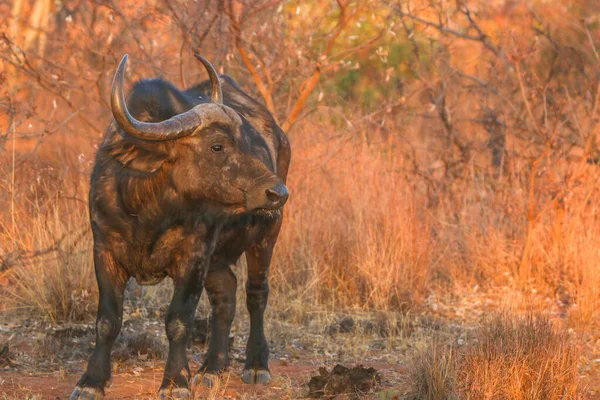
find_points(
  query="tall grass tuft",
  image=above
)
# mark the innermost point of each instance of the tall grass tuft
(517, 358)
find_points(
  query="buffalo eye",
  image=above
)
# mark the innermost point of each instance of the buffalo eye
(217, 148)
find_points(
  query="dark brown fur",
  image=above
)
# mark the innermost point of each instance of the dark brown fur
(175, 208)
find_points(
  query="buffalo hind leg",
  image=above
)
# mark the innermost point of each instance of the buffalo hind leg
(111, 285)
(221, 285)
(179, 323)
(256, 367)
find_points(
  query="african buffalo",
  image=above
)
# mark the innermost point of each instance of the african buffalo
(184, 183)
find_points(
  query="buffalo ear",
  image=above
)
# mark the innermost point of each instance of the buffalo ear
(140, 157)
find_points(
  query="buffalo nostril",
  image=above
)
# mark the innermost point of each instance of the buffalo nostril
(277, 194)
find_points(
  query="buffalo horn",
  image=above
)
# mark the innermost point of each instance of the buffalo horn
(216, 94)
(176, 127)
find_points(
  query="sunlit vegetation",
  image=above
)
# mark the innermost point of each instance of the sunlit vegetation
(440, 149)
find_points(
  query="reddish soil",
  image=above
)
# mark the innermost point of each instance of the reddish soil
(289, 381)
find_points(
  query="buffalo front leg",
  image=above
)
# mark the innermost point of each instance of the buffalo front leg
(179, 323)
(221, 285)
(111, 285)
(256, 368)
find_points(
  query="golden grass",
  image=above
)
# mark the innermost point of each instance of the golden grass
(508, 358)
(360, 232)
(50, 266)
(351, 237)
(433, 374)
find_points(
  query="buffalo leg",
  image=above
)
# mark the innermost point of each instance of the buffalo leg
(256, 368)
(221, 284)
(179, 323)
(111, 285)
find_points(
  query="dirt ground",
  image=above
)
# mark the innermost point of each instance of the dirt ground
(41, 361)
(289, 382)
(45, 362)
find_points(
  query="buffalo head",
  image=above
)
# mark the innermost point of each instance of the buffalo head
(203, 152)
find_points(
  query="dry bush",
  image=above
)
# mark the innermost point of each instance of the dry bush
(508, 358)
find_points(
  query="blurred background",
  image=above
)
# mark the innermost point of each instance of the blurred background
(445, 156)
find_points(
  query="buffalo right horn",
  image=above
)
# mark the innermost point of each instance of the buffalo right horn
(176, 127)
(216, 94)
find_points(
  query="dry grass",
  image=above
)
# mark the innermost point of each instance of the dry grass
(433, 374)
(359, 232)
(508, 358)
(351, 236)
(49, 262)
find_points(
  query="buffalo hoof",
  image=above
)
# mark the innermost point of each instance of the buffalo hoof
(206, 379)
(86, 393)
(174, 393)
(259, 376)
